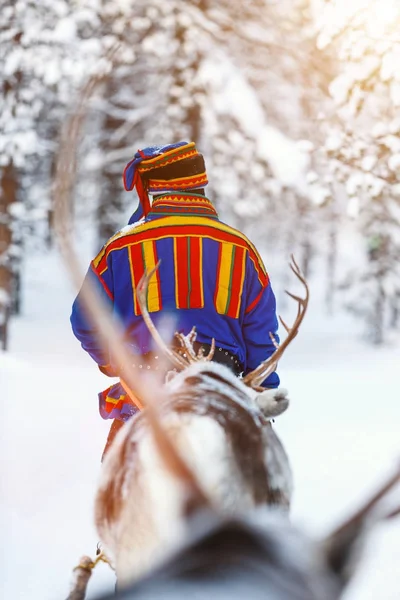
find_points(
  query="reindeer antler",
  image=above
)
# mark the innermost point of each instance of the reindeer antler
(256, 377)
(342, 543)
(181, 359)
(188, 351)
(141, 292)
(110, 332)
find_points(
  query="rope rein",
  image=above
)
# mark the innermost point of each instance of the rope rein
(87, 564)
(83, 572)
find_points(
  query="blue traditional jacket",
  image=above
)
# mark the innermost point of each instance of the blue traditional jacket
(210, 276)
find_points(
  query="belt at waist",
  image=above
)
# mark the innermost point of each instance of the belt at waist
(149, 360)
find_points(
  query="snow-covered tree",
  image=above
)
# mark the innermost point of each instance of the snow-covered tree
(362, 148)
(205, 70)
(49, 48)
(238, 78)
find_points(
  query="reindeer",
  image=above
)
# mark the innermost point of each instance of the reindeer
(220, 425)
(261, 556)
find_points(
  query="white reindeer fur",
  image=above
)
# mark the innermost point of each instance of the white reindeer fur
(272, 403)
(150, 523)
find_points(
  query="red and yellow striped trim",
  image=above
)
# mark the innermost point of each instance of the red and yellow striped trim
(188, 261)
(230, 279)
(181, 226)
(143, 257)
(183, 203)
(110, 402)
(101, 280)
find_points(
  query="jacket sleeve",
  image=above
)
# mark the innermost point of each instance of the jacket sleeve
(259, 321)
(82, 324)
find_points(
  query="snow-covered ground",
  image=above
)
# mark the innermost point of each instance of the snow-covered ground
(341, 433)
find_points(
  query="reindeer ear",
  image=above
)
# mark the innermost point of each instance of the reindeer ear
(272, 402)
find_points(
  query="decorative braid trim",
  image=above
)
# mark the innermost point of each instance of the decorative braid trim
(167, 158)
(178, 203)
(164, 185)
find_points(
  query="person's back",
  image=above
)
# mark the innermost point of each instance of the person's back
(209, 276)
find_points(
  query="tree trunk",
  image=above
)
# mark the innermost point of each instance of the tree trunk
(378, 314)
(50, 212)
(192, 117)
(110, 208)
(8, 193)
(306, 232)
(395, 310)
(290, 243)
(331, 264)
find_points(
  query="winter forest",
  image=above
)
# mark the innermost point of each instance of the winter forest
(295, 105)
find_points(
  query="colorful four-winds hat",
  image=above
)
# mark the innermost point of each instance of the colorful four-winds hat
(161, 169)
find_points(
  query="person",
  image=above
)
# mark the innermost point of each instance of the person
(210, 275)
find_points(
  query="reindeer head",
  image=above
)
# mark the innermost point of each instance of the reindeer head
(262, 556)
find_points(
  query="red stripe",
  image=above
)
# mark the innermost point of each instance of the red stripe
(195, 273)
(236, 283)
(103, 283)
(181, 276)
(255, 301)
(138, 271)
(107, 291)
(185, 230)
(218, 272)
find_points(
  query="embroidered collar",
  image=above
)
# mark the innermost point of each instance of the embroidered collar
(183, 204)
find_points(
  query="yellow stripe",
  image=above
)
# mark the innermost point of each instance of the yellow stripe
(170, 182)
(153, 298)
(133, 284)
(224, 278)
(110, 400)
(117, 235)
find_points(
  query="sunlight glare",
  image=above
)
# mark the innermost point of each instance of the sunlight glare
(378, 20)
(375, 15)
(382, 17)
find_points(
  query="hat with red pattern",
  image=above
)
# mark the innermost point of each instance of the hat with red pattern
(163, 169)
